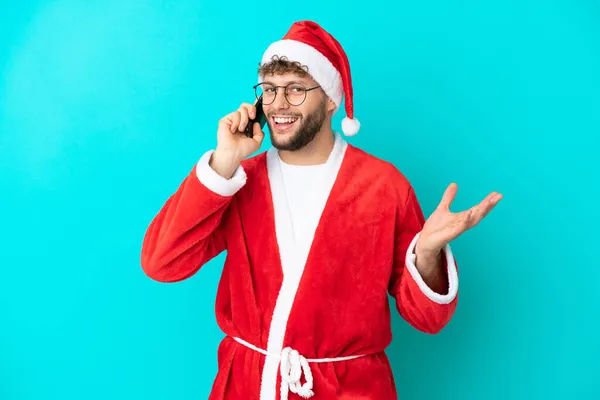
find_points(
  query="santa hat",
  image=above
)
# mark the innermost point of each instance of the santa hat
(309, 44)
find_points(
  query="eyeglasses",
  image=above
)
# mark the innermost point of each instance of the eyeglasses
(295, 93)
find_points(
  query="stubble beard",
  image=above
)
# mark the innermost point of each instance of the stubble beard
(305, 133)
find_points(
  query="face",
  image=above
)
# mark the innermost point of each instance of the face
(293, 127)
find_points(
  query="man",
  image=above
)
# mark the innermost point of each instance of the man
(317, 233)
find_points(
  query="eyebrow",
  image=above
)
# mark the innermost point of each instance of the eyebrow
(287, 83)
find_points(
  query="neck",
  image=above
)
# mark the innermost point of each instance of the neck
(314, 153)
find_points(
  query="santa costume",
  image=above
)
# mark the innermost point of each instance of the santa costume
(312, 254)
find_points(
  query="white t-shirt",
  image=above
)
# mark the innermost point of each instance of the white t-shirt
(302, 184)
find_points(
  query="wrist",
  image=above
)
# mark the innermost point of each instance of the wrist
(428, 254)
(224, 162)
(228, 153)
(425, 251)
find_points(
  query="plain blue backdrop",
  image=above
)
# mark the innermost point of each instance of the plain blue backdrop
(106, 105)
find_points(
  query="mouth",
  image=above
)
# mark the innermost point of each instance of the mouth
(284, 123)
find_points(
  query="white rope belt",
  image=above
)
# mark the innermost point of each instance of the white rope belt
(292, 364)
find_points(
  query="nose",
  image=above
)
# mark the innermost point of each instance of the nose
(280, 102)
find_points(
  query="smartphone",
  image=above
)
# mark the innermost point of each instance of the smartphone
(260, 118)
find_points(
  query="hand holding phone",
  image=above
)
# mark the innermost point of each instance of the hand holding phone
(260, 118)
(238, 135)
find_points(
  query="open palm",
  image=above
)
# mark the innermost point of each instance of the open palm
(443, 226)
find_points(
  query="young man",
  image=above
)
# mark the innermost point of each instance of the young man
(317, 233)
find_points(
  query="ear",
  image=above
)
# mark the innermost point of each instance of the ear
(330, 105)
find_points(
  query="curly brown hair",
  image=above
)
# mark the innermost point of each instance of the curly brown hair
(281, 65)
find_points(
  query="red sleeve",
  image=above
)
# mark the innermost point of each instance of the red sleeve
(420, 306)
(188, 231)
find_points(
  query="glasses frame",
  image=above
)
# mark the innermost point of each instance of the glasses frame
(261, 97)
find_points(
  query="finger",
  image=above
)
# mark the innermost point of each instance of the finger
(235, 120)
(492, 201)
(250, 108)
(243, 118)
(448, 196)
(226, 121)
(479, 211)
(258, 134)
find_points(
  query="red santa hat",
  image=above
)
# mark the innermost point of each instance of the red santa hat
(309, 44)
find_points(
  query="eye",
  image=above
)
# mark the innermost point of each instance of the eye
(296, 89)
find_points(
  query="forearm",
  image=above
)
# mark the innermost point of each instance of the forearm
(182, 236)
(186, 233)
(432, 269)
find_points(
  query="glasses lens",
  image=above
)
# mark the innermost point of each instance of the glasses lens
(258, 91)
(295, 94)
(267, 92)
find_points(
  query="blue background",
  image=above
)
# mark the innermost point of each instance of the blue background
(106, 105)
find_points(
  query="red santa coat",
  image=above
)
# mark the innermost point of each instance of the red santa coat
(327, 299)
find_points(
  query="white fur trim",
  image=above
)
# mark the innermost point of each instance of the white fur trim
(350, 127)
(293, 259)
(319, 66)
(451, 270)
(215, 182)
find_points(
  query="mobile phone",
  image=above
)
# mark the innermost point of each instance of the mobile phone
(260, 118)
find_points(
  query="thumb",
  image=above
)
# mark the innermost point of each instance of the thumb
(448, 196)
(258, 134)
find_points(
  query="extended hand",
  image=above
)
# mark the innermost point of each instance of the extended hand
(443, 226)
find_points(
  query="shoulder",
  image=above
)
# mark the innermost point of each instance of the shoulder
(379, 171)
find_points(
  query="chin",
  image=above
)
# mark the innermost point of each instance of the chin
(282, 141)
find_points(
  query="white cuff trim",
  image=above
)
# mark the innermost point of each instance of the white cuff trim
(451, 269)
(215, 182)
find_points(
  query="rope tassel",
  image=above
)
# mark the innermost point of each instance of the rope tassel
(292, 365)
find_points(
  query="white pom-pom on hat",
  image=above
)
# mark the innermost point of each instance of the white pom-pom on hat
(350, 126)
